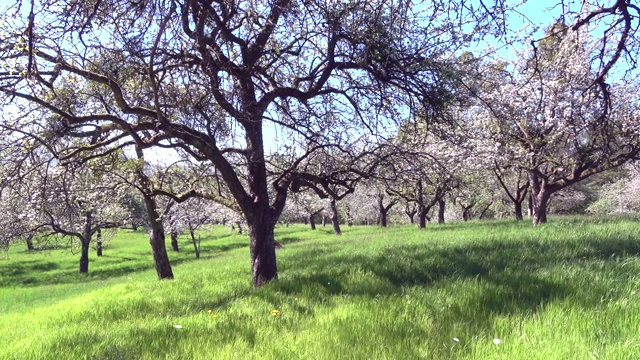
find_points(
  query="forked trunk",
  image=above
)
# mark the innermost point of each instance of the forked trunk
(539, 197)
(539, 204)
(334, 217)
(382, 211)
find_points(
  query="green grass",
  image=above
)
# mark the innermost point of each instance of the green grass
(567, 290)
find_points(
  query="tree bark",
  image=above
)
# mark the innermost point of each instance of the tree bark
(29, 241)
(334, 217)
(383, 211)
(85, 240)
(312, 221)
(518, 210)
(84, 256)
(484, 211)
(411, 213)
(539, 197)
(539, 204)
(441, 209)
(422, 216)
(196, 243)
(157, 240)
(174, 239)
(466, 212)
(99, 242)
(263, 252)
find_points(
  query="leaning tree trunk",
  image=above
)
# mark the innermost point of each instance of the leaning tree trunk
(334, 217)
(196, 242)
(441, 209)
(157, 240)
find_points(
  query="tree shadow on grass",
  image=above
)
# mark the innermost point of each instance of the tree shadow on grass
(116, 262)
(507, 277)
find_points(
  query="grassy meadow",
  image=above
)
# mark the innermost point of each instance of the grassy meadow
(480, 290)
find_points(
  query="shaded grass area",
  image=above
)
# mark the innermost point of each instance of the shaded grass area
(567, 290)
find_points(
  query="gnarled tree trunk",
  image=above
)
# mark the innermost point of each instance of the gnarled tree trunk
(157, 240)
(539, 199)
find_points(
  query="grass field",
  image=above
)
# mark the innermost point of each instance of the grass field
(567, 290)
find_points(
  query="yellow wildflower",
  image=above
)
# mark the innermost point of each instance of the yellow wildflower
(275, 312)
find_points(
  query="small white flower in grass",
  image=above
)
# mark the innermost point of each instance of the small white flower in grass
(456, 339)
(497, 341)
(177, 326)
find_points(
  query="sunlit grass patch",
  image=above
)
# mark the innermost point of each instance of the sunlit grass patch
(479, 290)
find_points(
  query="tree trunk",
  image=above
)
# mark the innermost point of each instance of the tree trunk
(484, 211)
(312, 221)
(539, 207)
(518, 210)
(84, 256)
(239, 227)
(196, 243)
(441, 209)
(334, 217)
(174, 239)
(411, 212)
(383, 217)
(157, 240)
(466, 212)
(85, 240)
(324, 219)
(422, 216)
(263, 251)
(99, 242)
(29, 241)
